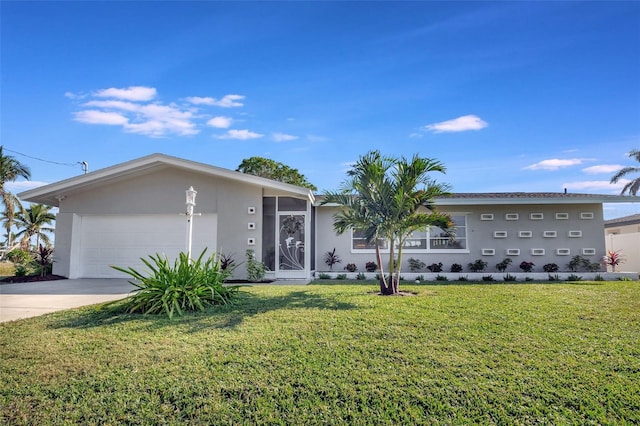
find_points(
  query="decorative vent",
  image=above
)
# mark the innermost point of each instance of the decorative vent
(562, 216)
(486, 216)
(588, 251)
(488, 252)
(537, 252)
(574, 234)
(563, 252)
(251, 225)
(549, 234)
(513, 252)
(499, 234)
(511, 216)
(251, 210)
(525, 234)
(536, 216)
(586, 215)
(251, 241)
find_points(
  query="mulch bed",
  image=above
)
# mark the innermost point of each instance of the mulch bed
(31, 279)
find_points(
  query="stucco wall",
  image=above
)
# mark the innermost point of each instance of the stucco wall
(163, 192)
(480, 235)
(629, 246)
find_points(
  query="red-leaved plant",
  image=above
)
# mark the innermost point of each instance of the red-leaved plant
(613, 259)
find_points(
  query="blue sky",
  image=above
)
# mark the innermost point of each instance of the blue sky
(510, 96)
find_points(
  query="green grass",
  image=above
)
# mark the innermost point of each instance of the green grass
(6, 269)
(552, 353)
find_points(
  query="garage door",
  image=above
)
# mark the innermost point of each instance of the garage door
(123, 240)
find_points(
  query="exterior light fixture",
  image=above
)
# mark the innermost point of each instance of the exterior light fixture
(191, 202)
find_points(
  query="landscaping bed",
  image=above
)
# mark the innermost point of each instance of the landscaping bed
(31, 278)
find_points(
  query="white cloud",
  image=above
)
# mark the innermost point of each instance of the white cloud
(283, 137)
(554, 164)
(220, 122)
(92, 116)
(603, 168)
(460, 124)
(23, 185)
(131, 93)
(240, 134)
(596, 185)
(415, 135)
(317, 138)
(227, 101)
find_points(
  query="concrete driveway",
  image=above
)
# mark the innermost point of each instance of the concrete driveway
(32, 299)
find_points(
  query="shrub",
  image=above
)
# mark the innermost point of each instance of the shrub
(435, 267)
(323, 276)
(187, 285)
(477, 266)
(19, 256)
(331, 258)
(463, 278)
(441, 278)
(416, 265)
(528, 279)
(555, 277)
(44, 259)
(456, 267)
(509, 278)
(371, 266)
(502, 266)
(487, 278)
(227, 263)
(341, 277)
(527, 266)
(360, 276)
(613, 259)
(419, 278)
(550, 267)
(599, 277)
(351, 267)
(574, 277)
(578, 261)
(255, 270)
(23, 269)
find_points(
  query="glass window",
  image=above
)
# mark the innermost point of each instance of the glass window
(358, 242)
(286, 204)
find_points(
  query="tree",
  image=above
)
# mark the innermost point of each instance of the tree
(270, 169)
(10, 170)
(387, 199)
(634, 185)
(35, 221)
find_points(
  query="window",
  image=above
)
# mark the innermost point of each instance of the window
(511, 216)
(499, 234)
(550, 234)
(486, 216)
(562, 216)
(488, 252)
(536, 216)
(525, 234)
(588, 251)
(586, 215)
(575, 234)
(537, 252)
(434, 239)
(563, 252)
(513, 252)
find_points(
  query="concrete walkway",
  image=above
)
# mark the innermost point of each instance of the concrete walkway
(33, 299)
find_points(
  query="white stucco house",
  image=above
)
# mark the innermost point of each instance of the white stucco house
(623, 234)
(116, 215)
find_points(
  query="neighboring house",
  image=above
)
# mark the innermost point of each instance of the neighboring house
(116, 215)
(623, 234)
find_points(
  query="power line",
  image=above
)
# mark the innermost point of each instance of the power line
(45, 161)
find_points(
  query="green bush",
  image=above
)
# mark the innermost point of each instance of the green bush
(360, 276)
(509, 278)
(323, 276)
(187, 285)
(19, 257)
(255, 270)
(478, 266)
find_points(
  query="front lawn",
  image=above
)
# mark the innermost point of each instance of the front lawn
(338, 354)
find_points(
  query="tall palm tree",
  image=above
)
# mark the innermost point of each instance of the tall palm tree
(10, 170)
(389, 199)
(634, 185)
(35, 221)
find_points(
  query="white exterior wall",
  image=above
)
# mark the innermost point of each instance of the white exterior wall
(629, 246)
(480, 235)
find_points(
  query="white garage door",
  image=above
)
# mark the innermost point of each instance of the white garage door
(123, 240)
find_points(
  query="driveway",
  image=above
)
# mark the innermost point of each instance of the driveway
(33, 299)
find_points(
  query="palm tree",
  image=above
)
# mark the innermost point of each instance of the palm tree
(10, 170)
(387, 199)
(35, 221)
(634, 185)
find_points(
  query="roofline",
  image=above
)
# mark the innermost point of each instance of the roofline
(50, 194)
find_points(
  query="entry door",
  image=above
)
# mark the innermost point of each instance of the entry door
(290, 262)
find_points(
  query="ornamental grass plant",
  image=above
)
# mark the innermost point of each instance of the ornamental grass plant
(185, 285)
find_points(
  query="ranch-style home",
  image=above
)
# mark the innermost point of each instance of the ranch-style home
(116, 215)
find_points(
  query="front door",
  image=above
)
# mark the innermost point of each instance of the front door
(290, 261)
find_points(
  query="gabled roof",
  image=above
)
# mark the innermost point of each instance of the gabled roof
(52, 193)
(621, 221)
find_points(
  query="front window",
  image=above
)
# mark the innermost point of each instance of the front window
(434, 239)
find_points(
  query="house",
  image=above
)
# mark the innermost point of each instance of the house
(117, 215)
(623, 234)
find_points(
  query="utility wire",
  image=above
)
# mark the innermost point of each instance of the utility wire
(45, 161)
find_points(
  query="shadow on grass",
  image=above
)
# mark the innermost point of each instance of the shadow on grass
(246, 305)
